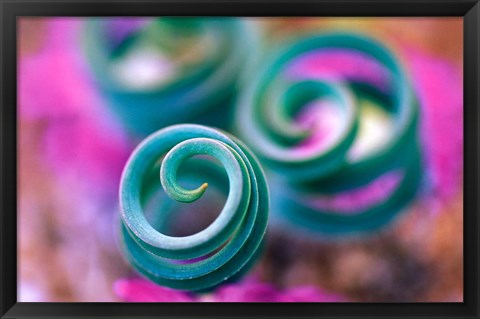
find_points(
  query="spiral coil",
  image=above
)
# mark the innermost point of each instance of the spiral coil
(228, 246)
(194, 66)
(265, 120)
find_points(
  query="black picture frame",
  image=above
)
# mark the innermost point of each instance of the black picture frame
(11, 9)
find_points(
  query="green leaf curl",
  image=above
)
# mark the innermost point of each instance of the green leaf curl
(229, 245)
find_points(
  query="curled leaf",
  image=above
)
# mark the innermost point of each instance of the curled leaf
(223, 250)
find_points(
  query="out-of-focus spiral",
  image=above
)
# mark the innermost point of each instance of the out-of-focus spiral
(305, 166)
(223, 250)
(170, 70)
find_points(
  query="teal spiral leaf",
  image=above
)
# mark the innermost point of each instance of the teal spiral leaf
(228, 246)
(266, 113)
(191, 76)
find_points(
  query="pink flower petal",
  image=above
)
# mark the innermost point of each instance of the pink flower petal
(359, 199)
(246, 292)
(439, 86)
(339, 64)
(140, 290)
(80, 137)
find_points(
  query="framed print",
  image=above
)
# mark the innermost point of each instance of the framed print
(226, 159)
